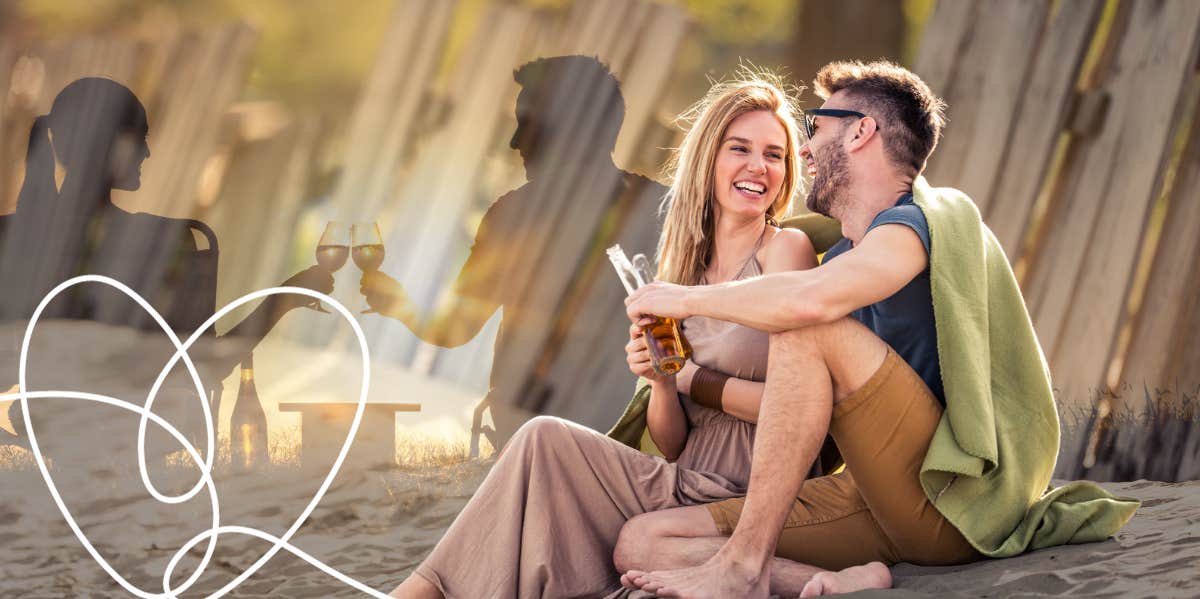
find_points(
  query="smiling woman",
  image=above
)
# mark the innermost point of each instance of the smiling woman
(718, 149)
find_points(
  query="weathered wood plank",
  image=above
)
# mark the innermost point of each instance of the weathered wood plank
(1080, 318)
(1158, 354)
(587, 380)
(982, 99)
(949, 29)
(643, 80)
(13, 141)
(382, 125)
(427, 237)
(205, 77)
(255, 213)
(1038, 121)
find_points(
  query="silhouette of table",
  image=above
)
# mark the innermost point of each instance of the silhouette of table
(324, 425)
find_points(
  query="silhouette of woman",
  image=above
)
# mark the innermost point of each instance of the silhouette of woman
(93, 141)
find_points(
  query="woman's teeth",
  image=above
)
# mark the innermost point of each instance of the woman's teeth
(747, 186)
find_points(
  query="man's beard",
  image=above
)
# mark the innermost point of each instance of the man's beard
(831, 182)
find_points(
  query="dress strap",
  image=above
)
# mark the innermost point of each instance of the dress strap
(757, 246)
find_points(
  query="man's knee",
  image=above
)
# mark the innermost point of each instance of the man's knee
(810, 340)
(637, 538)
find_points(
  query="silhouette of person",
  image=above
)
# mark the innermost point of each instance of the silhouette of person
(569, 112)
(95, 137)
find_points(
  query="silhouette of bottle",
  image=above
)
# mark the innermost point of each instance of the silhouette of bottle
(248, 426)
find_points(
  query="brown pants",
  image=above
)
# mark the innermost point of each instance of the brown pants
(875, 510)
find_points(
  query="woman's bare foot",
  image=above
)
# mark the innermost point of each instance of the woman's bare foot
(714, 579)
(416, 587)
(874, 575)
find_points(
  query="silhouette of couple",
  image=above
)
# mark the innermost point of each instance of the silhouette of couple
(569, 112)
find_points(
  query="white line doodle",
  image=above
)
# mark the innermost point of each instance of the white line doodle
(205, 464)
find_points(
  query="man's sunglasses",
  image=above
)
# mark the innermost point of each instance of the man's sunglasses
(810, 117)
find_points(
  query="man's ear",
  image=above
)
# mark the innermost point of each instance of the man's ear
(862, 133)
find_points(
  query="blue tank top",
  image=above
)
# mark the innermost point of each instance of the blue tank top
(904, 320)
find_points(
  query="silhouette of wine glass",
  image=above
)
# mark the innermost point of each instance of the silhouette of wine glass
(332, 250)
(367, 249)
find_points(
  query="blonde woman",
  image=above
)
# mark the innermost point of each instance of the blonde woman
(546, 520)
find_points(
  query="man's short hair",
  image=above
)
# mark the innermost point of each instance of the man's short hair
(578, 89)
(911, 117)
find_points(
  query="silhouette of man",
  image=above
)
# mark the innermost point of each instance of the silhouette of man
(569, 112)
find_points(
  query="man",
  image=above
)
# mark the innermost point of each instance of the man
(569, 113)
(854, 351)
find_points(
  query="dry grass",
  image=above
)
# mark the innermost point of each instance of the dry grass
(1159, 441)
(423, 451)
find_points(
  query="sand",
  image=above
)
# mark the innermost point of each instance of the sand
(377, 523)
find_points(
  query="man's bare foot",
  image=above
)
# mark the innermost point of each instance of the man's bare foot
(874, 575)
(716, 579)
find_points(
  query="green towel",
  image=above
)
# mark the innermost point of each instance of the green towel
(990, 460)
(992, 455)
(630, 428)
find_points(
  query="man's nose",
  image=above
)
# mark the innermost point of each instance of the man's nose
(805, 152)
(512, 143)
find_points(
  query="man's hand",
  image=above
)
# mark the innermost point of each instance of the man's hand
(383, 293)
(658, 299)
(313, 277)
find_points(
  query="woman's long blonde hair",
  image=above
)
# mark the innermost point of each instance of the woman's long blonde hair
(686, 245)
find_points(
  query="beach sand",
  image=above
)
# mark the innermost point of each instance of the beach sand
(378, 522)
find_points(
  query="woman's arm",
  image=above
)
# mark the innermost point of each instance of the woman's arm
(666, 420)
(788, 249)
(740, 398)
(664, 416)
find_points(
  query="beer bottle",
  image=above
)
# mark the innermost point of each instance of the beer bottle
(669, 349)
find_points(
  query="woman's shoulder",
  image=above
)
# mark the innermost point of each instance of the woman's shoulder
(786, 249)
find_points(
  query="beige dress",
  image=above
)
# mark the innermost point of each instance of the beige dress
(545, 521)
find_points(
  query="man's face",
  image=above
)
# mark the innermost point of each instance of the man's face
(827, 162)
(527, 136)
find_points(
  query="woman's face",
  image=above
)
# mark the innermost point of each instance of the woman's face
(128, 152)
(751, 165)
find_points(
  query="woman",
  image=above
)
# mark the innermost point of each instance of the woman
(546, 519)
(94, 141)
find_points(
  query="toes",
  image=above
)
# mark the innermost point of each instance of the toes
(816, 587)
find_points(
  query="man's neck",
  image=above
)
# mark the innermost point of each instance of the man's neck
(866, 201)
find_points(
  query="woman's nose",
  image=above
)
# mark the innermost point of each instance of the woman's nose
(757, 165)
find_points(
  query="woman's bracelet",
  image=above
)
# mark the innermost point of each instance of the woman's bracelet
(708, 386)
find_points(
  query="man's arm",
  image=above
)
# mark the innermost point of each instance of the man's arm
(455, 321)
(886, 259)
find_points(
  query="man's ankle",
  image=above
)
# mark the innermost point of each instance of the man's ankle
(744, 565)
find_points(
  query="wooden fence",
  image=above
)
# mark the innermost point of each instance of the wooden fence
(1073, 126)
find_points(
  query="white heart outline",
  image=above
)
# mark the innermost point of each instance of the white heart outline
(206, 469)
